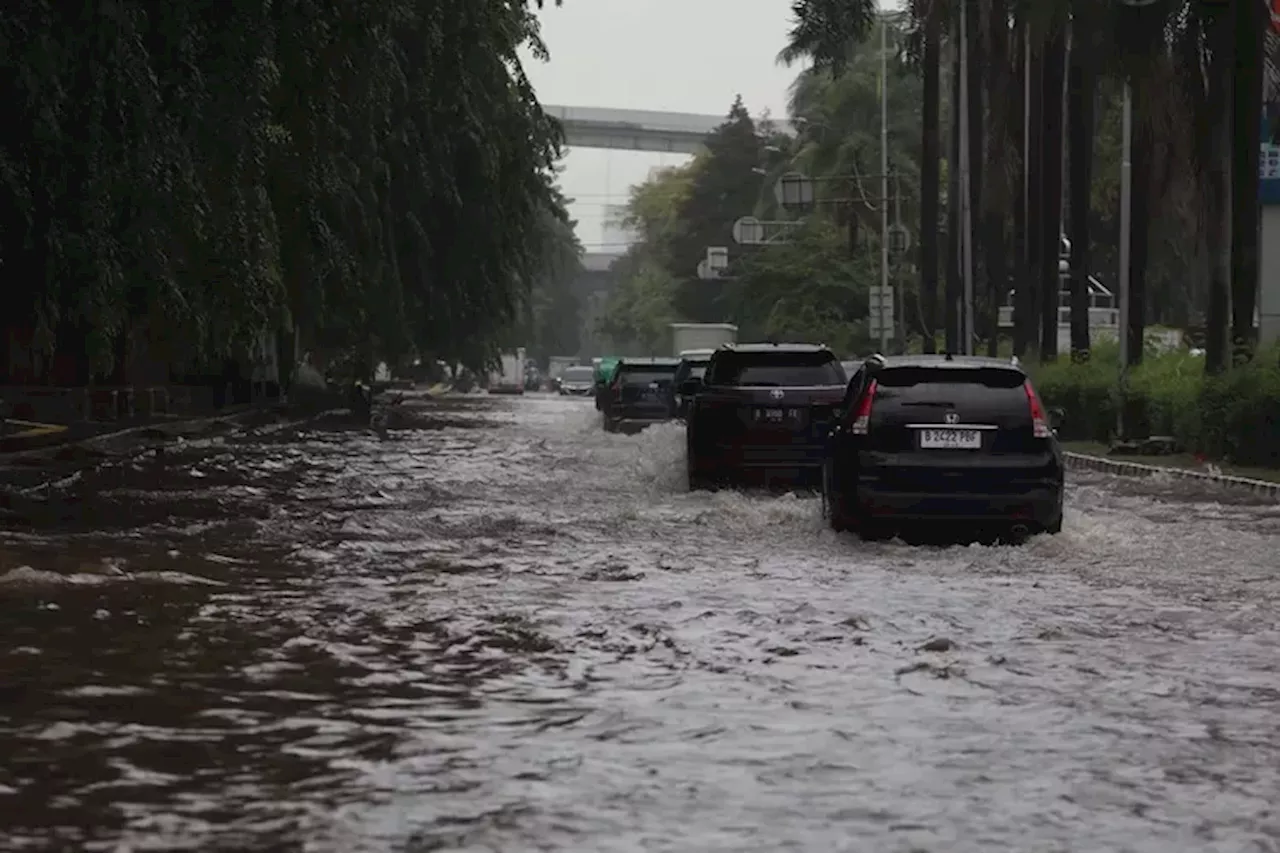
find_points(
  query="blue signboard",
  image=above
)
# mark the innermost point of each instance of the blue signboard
(1269, 158)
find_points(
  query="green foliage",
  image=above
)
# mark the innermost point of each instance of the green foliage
(810, 287)
(1234, 416)
(806, 290)
(678, 214)
(380, 174)
(640, 310)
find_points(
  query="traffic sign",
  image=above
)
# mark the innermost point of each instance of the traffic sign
(880, 310)
(748, 231)
(879, 296)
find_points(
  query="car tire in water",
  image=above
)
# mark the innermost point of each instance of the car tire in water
(832, 510)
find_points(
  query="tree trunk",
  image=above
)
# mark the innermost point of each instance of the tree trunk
(1080, 128)
(997, 272)
(1214, 121)
(1250, 31)
(930, 177)
(977, 135)
(1023, 306)
(1034, 300)
(998, 195)
(1051, 187)
(954, 285)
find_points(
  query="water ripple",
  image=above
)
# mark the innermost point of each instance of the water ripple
(500, 628)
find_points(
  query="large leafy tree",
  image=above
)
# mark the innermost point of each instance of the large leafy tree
(727, 185)
(182, 177)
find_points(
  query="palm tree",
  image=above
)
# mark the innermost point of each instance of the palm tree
(1082, 81)
(824, 30)
(930, 12)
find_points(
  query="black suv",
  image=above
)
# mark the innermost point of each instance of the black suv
(693, 365)
(638, 395)
(943, 438)
(761, 408)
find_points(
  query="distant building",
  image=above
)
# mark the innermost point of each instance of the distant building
(613, 234)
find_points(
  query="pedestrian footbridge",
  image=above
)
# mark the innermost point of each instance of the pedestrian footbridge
(638, 130)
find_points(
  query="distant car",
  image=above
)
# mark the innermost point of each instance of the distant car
(762, 408)
(638, 394)
(693, 364)
(943, 438)
(577, 381)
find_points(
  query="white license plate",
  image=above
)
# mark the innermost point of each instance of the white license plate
(777, 416)
(950, 439)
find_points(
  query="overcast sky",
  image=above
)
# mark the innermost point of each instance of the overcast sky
(688, 56)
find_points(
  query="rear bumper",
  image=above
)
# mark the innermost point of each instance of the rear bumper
(1040, 505)
(779, 455)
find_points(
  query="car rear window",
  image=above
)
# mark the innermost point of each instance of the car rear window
(691, 370)
(993, 387)
(647, 374)
(777, 369)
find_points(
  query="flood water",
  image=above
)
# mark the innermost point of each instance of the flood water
(505, 630)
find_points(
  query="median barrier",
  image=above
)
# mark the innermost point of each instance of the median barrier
(1086, 462)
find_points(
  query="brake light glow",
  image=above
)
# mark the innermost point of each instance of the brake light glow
(1039, 423)
(861, 416)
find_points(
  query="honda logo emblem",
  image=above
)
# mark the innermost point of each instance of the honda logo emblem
(776, 393)
(951, 418)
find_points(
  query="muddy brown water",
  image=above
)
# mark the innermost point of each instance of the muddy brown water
(506, 630)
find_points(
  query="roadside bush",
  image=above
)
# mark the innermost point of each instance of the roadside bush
(1233, 417)
(1087, 392)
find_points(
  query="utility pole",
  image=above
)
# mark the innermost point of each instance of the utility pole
(966, 214)
(884, 177)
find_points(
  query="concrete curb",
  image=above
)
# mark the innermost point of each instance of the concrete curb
(1085, 462)
(151, 446)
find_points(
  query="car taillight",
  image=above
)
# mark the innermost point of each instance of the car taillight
(616, 388)
(860, 417)
(1039, 423)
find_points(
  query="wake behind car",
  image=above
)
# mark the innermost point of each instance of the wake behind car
(638, 394)
(762, 409)
(693, 365)
(943, 438)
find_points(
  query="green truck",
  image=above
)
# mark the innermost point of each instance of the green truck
(605, 367)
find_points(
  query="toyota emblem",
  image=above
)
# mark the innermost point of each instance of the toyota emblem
(951, 418)
(776, 393)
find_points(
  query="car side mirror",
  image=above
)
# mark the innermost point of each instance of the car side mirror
(690, 387)
(1057, 417)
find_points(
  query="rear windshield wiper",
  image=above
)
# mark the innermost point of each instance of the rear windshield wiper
(933, 404)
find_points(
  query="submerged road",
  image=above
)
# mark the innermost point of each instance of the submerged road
(505, 630)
